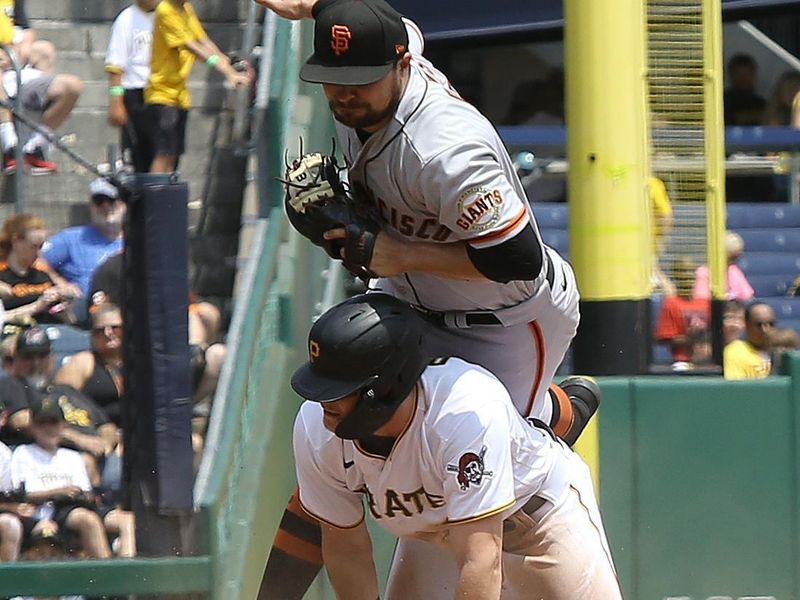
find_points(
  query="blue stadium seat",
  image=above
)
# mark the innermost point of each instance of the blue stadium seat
(785, 308)
(662, 355)
(770, 286)
(771, 240)
(763, 215)
(66, 340)
(551, 216)
(789, 324)
(558, 239)
(769, 263)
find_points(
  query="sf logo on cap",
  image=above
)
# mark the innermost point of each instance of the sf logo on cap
(340, 39)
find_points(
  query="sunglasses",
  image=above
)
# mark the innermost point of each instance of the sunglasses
(100, 199)
(115, 329)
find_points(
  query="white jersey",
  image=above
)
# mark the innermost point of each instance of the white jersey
(439, 172)
(42, 471)
(466, 454)
(6, 484)
(130, 46)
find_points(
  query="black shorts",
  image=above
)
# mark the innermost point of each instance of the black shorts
(60, 518)
(169, 123)
(137, 135)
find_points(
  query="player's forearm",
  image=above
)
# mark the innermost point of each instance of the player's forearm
(290, 9)
(352, 577)
(347, 555)
(445, 260)
(479, 580)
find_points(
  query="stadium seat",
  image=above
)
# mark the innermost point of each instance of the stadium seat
(762, 215)
(558, 239)
(785, 308)
(66, 340)
(769, 263)
(551, 216)
(771, 240)
(770, 286)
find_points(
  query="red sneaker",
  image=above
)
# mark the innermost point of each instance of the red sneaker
(38, 164)
(9, 163)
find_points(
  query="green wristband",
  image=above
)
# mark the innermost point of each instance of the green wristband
(116, 90)
(212, 61)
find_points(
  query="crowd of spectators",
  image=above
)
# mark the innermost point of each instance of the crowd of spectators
(60, 416)
(752, 340)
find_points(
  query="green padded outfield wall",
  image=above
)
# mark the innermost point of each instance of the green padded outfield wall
(699, 486)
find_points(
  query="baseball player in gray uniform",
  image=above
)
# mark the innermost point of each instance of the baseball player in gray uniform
(458, 239)
(441, 455)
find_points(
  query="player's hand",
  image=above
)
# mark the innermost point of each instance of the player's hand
(117, 115)
(289, 9)
(386, 255)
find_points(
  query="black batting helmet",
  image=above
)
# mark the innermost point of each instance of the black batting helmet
(372, 344)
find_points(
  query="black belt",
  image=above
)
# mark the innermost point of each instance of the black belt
(471, 318)
(532, 505)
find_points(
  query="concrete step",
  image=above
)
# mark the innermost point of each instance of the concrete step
(106, 10)
(90, 66)
(204, 95)
(91, 37)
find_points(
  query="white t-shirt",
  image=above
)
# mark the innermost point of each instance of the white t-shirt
(130, 46)
(26, 75)
(42, 471)
(6, 484)
(466, 454)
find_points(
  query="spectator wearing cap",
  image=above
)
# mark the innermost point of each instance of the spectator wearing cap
(56, 475)
(88, 428)
(178, 39)
(74, 253)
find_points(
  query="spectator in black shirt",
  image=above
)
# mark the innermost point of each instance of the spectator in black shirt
(26, 289)
(88, 428)
(743, 106)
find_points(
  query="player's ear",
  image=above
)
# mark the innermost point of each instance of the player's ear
(404, 61)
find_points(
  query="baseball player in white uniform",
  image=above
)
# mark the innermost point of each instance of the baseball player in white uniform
(441, 455)
(458, 238)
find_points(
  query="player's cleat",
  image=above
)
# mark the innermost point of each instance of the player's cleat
(38, 164)
(9, 163)
(584, 399)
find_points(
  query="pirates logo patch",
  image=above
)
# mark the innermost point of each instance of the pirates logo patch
(470, 469)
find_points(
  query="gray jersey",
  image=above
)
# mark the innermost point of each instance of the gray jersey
(439, 172)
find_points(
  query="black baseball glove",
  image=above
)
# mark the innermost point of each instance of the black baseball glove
(318, 201)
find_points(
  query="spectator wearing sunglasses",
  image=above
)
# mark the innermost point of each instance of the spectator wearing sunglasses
(750, 358)
(26, 289)
(98, 372)
(74, 253)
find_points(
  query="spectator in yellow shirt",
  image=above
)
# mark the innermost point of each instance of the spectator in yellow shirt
(750, 358)
(178, 38)
(662, 225)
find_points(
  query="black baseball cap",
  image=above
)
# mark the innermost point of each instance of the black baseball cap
(356, 42)
(33, 341)
(47, 408)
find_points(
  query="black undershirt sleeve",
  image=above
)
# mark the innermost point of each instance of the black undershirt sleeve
(517, 259)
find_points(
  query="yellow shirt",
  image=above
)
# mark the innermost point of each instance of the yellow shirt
(7, 8)
(741, 361)
(171, 61)
(6, 30)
